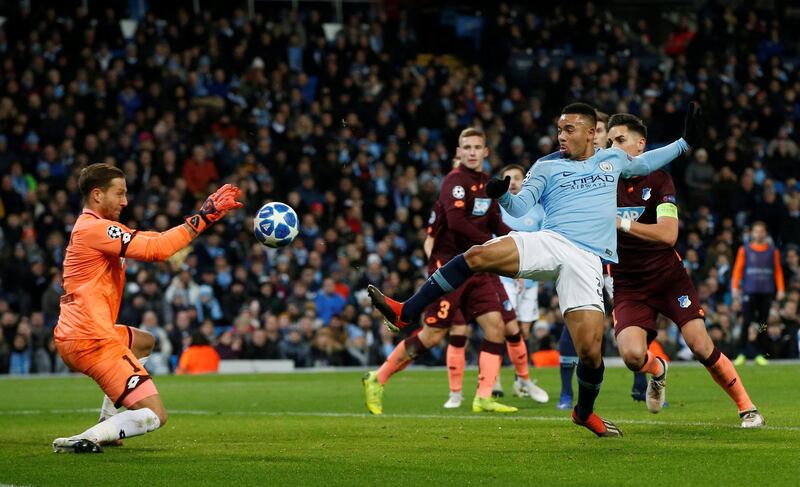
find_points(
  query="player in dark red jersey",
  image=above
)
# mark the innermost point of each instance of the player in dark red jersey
(515, 344)
(650, 279)
(472, 218)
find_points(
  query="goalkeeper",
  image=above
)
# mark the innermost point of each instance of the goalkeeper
(86, 335)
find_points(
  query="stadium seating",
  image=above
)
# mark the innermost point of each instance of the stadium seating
(354, 125)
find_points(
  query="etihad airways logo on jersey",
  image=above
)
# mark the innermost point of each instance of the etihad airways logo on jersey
(591, 181)
(630, 212)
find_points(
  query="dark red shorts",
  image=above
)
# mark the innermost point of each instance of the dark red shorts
(481, 294)
(637, 302)
(445, 312)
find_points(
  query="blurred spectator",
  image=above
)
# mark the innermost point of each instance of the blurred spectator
(294, 348)
(5, 355)
(776, 343)
(328, 301)
(699, 178)
(199, 358)
(199, 171)
(356, 133)
(264, 345)
(40, 335)
(20, 361)
(229, 347)
(158, 363)
(325, 350)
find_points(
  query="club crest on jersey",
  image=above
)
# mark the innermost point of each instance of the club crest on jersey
(684, 301)
(481, 206)
(459, 193)
(606, 166)
(114, 232)
(630, 212)
(646, 194)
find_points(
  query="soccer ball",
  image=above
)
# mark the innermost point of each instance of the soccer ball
(275, 225)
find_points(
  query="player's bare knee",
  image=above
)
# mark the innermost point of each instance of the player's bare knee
(430, 336)
(589, 354)
(634, 359)
(162, 417)
(477, 258)
(590, 360)
(701, 349)
(143, 345)
(512, 328)
(494, 329)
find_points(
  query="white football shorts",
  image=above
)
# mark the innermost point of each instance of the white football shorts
(578, 273)
(525, 301)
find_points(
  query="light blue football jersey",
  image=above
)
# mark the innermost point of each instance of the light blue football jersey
(579, 198)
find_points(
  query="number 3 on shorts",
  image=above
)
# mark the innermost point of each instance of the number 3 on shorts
(444, 309)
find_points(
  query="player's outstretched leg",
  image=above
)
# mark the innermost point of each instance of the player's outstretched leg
(489, 362)
(144, 416)
(400, 358)
(569, 357)
(499, 255)
(456, 362)
(447, 278)
(523, 385)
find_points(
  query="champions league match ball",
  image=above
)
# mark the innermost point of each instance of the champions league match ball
(275, 225)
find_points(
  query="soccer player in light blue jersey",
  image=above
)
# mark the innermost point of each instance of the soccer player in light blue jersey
(578, 191)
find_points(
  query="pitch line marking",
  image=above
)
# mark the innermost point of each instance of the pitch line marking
(319, 414)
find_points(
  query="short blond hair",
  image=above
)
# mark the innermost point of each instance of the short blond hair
(472, 132)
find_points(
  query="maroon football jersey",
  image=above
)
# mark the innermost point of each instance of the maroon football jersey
(463, 216)
(444, 246)
(637, 199)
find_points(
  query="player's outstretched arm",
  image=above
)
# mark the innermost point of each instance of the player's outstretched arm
(113, 238)
(164, 245)
(650, 161)
(519, 204)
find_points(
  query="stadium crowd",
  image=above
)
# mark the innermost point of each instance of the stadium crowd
(356, 133)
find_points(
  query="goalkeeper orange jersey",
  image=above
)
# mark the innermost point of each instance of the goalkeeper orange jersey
(94, 272)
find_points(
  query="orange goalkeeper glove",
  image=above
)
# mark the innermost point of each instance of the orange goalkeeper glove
(215, 207)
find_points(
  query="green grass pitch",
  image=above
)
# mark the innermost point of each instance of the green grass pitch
(312, 429)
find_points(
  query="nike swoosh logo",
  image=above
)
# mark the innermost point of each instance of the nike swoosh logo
(567, 174)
